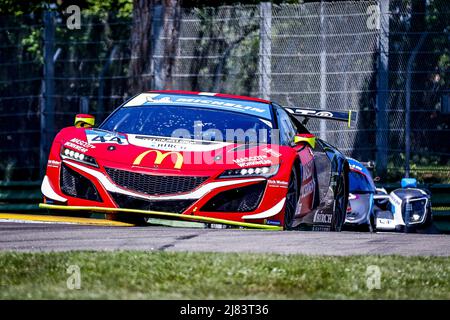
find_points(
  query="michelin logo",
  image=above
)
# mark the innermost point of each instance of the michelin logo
(219, 103)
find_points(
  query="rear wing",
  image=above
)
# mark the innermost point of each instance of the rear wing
(348, 116)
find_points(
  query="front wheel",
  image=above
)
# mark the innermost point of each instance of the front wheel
(291, 201)
(340, 203)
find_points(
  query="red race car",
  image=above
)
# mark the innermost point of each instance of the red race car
(205, 157)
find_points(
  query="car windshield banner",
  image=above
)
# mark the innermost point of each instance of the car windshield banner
(258, 109)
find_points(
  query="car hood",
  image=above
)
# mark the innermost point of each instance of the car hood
(171, 155)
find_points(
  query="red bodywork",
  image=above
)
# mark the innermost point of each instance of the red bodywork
(125, 157)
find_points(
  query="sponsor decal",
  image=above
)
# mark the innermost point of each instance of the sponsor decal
(352, 196)
(94, 136)
(168, 140)
(79, 145)
(305, 112)
(164, 144)
(298, 210)
(308, 170)
(76, 147)
(385, 222)
(256, 108)
(53, 164)
(220, 103)
(272, 152)
(321, 228)
(307, 189)
(160, 158)
(272, 222)
(82, 143)
(252, 161)
(355, 167)
(174, 144)
(278, 183)
(323, 217)
(324, 114)
(395, 200)
(161, 100)
(148, 98)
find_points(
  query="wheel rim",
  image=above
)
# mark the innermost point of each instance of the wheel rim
(291, 201)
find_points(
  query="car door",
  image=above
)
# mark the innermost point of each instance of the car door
(288, 130)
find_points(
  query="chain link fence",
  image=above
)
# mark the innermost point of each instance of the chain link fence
(366, 56)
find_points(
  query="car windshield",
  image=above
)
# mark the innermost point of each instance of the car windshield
(359, 183)
(189, 122)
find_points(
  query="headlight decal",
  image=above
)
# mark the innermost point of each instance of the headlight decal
(67, 153)
(267, 172)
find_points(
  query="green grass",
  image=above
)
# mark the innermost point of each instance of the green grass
(164, 275)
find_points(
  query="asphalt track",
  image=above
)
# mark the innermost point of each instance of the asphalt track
(39, 236)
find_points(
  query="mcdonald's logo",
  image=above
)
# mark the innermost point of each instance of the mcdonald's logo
(160, 158)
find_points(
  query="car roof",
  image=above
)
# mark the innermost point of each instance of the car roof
(245, 105)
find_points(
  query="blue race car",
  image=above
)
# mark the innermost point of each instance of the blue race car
(361, 208)
(407, 209)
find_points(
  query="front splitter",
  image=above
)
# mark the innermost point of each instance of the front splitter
(33, 218)
(162, 214)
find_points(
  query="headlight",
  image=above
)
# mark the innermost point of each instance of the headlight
(250, 172)
(67, 153)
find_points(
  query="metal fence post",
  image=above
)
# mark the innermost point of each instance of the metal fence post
(265, 49)
(409, 68)
(382, 99)
(84, 105)
(158, 47)
(47, 123)
(323, 70)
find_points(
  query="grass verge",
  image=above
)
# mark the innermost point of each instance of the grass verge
(167, 275)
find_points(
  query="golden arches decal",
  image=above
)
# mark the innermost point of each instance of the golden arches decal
(160, 158)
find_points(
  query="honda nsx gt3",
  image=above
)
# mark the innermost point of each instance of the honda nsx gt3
(204, 157)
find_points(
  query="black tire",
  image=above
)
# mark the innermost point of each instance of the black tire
(371, 226)
(340, 203)
(426, 227)
(82, 214)
(429, 218)
(67, 213)
(410, 229)
(291, 200)
(136, 219)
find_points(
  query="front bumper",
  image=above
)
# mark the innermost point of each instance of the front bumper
(161, 214)
(356, 220)
(114, 198)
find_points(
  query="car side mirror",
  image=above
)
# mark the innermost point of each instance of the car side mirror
(84, 121)
(307, 138)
